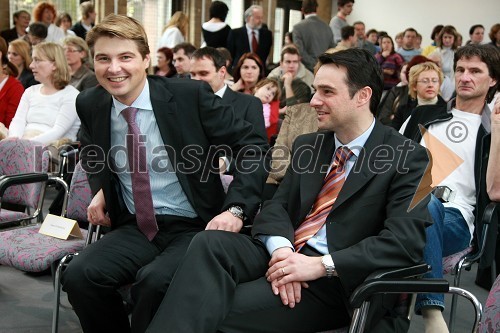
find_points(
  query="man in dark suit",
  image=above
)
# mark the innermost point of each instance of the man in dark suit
(279, 280)
(311, 35)
(160, 188)
(252, 37)
(208, 65)
(21, 22)
(86, 23)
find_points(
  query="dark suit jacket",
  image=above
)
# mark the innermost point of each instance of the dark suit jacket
(247, 107)
(9, 35)
(192, 122)
(79, 30)
(238, 44)
(369, 227)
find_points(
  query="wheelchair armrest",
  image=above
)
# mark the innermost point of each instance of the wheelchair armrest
(69, 153)
(396, 286)
(395, 273)
(25, 178)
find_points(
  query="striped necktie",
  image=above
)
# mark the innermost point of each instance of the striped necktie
(325, 199)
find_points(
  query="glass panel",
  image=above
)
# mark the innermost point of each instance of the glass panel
(295, 17)
(278, 33)
(235, 15)
(154, 15)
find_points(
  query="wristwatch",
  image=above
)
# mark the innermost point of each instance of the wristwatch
(327, 261)
(238, 212)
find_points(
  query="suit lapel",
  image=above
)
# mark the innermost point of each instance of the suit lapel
(166, 114)
(102, 116)
(311, 180)
(165, 111)
(362, 170)
(229, 97)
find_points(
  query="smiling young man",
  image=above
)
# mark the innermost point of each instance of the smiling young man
(148, 149)
(318, 238)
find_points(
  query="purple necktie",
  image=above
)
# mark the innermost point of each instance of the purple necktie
(141, 188)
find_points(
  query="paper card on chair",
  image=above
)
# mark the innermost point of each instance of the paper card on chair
(60, 227)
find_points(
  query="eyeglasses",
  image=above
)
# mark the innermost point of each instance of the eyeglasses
(36, 60)
(427, 81)
(71, 50)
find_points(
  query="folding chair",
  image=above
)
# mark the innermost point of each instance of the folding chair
(28, 250)
(23, 176)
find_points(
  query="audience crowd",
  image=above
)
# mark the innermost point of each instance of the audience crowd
(54, 70)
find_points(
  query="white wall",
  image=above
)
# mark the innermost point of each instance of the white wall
(394, 16)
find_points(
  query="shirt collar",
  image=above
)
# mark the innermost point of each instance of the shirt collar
(221, 91)
(310, 15)
(357, 144)
(249, 30)
(143, 101)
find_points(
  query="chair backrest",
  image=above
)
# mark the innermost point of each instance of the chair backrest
(18, 156)
(80, 195)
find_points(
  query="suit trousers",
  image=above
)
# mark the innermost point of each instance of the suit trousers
(220, 287)
(92, 278)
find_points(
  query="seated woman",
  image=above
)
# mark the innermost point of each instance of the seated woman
(11, 90)
(423, 86)
(19, 53)
(47, 111)
(390, 61)
(247, 73)
(398, 95)
(164, 67)
(77, 56)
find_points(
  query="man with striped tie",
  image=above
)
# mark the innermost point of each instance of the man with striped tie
(345, 208)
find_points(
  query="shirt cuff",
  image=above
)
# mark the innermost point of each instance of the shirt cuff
(273, 243)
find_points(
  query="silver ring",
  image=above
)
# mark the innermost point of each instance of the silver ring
(283, 271)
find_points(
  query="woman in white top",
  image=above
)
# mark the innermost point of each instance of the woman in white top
(45, 13)
(175, 31)
(65, 22)
(47, 111)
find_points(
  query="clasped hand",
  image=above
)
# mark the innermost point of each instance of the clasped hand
(289, 272)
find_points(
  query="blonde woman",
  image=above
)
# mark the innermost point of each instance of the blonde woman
(175, 31)
(19, 53)
(424, 83)
(47, 111)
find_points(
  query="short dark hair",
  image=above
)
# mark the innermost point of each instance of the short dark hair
(309, 6)
(362, 70)
(371, 31)
(38, 29)
(289, 49)
(212, 54)
(18, 13)
(436, 30)
(474, 27)
(410, 30)
(342, 3)
(346, 32)
(218, 9)
(488, 54)
(187, 47)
